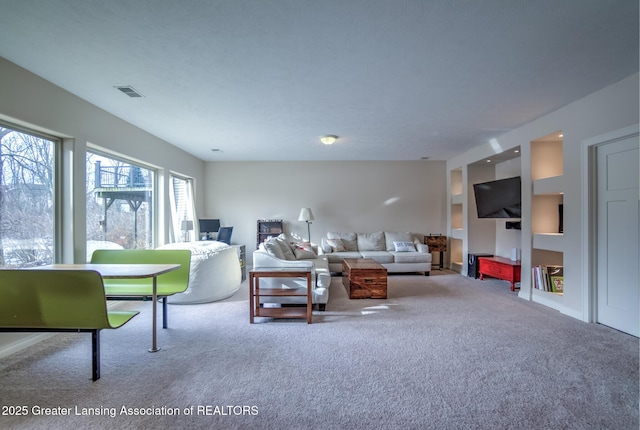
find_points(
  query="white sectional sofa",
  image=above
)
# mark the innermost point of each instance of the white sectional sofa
(396, 251)
(280, 252)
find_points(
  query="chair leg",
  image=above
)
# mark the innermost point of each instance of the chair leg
(164, 312)
(95, 346)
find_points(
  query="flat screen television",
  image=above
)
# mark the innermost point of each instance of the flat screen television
(209, 225)
(498, 199)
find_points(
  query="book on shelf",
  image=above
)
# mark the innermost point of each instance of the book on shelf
(548, 278)
(556, 278)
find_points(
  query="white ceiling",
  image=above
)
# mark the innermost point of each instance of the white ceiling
(262, 80)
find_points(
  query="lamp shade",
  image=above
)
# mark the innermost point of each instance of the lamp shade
(187, 225)
(305, 215)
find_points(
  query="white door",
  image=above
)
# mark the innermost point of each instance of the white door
(617, 264)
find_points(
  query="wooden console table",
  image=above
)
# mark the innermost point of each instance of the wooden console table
(255, 292)
(500, 268)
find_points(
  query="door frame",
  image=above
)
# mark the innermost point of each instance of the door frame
(589, 218)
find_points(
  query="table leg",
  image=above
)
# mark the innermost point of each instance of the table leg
(309, 303)
(154, 299)
(256, 308)
(250, 299)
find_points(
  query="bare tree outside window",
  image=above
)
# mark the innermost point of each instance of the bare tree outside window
(26, 199)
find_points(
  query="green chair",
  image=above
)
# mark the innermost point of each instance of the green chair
(58, 301)
(168, 284)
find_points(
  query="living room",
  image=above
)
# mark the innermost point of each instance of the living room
(366, 194)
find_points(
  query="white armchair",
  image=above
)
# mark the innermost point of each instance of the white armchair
(320, 277)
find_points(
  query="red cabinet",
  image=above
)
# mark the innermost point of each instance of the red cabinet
(500, 268)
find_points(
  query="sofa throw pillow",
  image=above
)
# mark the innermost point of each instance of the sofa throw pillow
(336, 245)
(273, 247)
(303, 250)
(324, 245)
(404, 247)
(285, 245)
(371, 241)
(349, 240)
(396, 237)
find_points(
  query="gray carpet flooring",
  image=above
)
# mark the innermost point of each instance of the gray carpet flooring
(442, 352)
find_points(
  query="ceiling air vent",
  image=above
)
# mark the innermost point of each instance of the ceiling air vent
(129, 91)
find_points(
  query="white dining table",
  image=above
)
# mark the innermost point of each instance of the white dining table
(125, 271)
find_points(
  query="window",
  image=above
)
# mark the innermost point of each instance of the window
(184, 228)
(27, 178)
(119, 204)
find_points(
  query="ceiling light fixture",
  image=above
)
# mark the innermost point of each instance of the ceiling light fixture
(328, 139)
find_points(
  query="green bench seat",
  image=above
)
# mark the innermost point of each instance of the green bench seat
(58, 301)
(167, 284)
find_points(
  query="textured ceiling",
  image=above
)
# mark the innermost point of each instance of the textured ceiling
(262, 80)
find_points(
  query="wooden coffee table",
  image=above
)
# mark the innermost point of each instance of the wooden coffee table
(364, 278)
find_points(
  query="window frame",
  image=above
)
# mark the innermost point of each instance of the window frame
(57, 181)
(155, 184)
(175, 231)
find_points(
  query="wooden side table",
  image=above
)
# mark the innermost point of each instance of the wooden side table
(255, 292)
(437, 243)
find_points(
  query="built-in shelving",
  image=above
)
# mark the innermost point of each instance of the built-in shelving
(547, 224)
(456, 216)
(551, 185)
(456, 234)
(268, 228)
(457, 263)
(468, 233)
(549, 241)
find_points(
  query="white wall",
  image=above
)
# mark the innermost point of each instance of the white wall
(507, 239)
(481, 233)
(363, 196)
(611, 108)
(35, 103)
(27, 100)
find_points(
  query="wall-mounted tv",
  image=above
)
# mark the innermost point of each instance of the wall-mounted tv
(498, 199)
